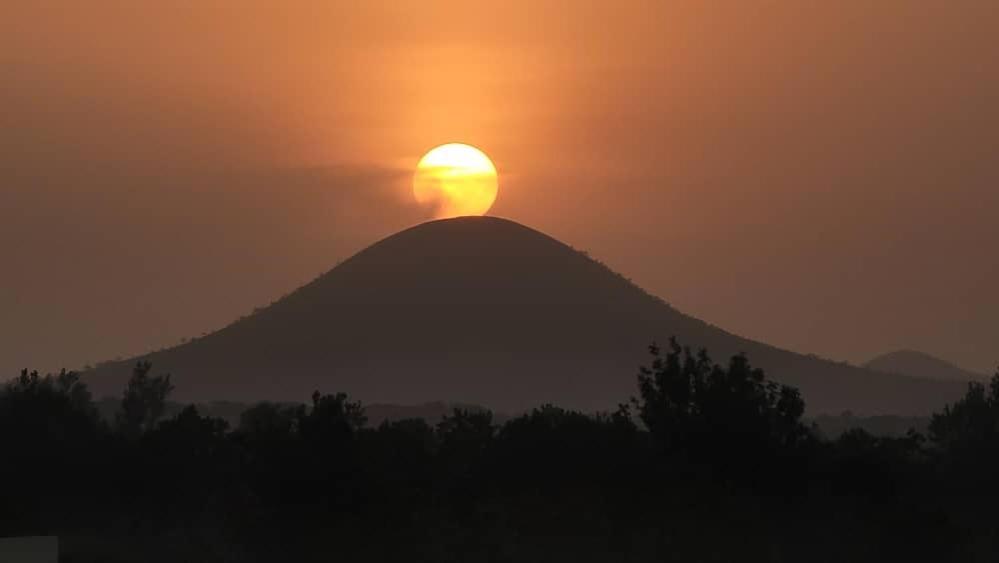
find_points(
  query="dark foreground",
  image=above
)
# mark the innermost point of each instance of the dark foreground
(708, 463)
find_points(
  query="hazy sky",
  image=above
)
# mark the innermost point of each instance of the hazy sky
(822, 176)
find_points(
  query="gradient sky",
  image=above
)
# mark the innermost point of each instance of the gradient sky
(821, 176)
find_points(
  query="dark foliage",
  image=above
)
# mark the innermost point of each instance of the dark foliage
(144, 400)
(971, 423)
(716, 466)
(731, 418)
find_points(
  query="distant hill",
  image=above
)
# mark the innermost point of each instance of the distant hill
(485, 311)
(894, 426)
(376, 413)
(921, 365)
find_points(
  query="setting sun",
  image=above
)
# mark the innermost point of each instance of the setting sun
(455, 179)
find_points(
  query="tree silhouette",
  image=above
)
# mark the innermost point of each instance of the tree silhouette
(189, 422)
(50, 407)
(720, 468)
(466, 432)
(270, 421)
(332, 417)
(693, 406)
(47, 425)
(37, 409)
(972, 422)
(465, 438)
(399, 456)
(144, 400)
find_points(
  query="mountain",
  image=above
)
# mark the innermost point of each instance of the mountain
(921, 365)
(486, 311)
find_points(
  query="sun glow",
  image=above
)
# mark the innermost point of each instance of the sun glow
(455, 179)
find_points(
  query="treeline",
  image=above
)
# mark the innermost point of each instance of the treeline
(707, 463)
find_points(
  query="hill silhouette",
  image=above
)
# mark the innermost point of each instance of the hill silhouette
(486, 311)
(919, 364)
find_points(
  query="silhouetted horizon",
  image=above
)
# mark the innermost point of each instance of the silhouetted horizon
(705, 281)
(410, 318)
(290, 480)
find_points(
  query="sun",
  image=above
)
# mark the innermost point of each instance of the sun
(455, 179)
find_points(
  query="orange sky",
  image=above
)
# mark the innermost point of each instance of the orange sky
(820, 176)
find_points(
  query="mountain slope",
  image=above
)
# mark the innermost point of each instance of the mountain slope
(487, 311)
(921, 365)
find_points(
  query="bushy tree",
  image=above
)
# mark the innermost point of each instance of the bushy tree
(690, 404)
(49, 434)
(332, 417)
(412, 433)
(466, 432)
(44, 408)
(144, 400)
(399, 457)
(553, 431)
(188, 439)
(270, 421)
(972, 422)
(189, 424)
(554, 445)
(465, 437)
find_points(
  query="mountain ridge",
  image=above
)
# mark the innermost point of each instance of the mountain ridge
(487, 311)
(914, 363)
